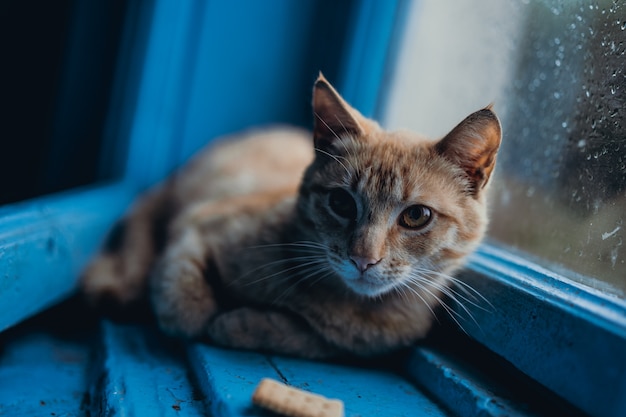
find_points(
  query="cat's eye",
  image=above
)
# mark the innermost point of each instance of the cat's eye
(342, 203)
(415, 217)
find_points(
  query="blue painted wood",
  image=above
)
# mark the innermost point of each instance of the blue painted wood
(568, 337)
(43, 375)
(140, 377)
(216, 67)
(163, 90)
(228, 379)
(267, 78)
(365, 392)
(45, 243)
(126, 86)
(376, 27)
(462, 390)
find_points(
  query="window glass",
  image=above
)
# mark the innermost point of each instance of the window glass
(556, 71)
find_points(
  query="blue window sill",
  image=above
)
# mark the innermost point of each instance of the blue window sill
(131, 370)
(45, 243)
(64, 362)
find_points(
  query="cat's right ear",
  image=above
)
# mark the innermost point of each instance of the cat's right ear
(333, 117)
(473, 145)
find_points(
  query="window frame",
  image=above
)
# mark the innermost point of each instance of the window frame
(566, 336)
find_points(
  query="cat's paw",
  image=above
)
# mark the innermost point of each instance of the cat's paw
(182, 299)
(268, 331)
(106, 287)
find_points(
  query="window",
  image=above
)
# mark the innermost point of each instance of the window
(555, 265)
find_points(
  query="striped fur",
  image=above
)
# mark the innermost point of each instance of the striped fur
(345, 242)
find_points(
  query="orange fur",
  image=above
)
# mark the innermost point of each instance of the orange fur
(343, 243)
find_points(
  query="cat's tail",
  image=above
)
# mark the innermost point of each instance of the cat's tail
(116, 280)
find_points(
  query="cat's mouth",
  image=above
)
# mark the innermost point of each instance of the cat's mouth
(368, 287)
(367, 283)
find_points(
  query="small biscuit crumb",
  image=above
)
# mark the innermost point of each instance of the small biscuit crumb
(293, 402)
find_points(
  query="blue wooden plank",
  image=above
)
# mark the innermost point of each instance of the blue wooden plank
(43, 375)
(45, 243)
(570, 338)
(228, 379)
(364, 391)
(464, 391)
(140, 377)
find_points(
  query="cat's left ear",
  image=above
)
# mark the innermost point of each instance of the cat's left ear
(333, 116)
(473, 145)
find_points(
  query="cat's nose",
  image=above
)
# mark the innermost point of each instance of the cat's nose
(363, 263)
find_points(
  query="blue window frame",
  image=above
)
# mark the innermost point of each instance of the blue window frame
(173, 91)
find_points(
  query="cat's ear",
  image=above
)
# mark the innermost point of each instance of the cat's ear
(333, 117)
(473, 145)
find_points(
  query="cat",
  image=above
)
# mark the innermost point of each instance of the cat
(343, 243)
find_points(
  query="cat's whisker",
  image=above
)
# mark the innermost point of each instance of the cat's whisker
(321, 119)
(293, 268)
(302, 243)
(294, 285)
(470, 291)
(456, 296)
(422, 282)
(471, 295)
(278, 262)
(295, 247)
(312, 259)
(314, 249)
(421, 297)
(340, 139)
(336, 158)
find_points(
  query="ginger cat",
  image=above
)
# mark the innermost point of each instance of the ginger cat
(343, 243)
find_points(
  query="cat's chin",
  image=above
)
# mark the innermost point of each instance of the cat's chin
(368, 289)
(366, 284)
